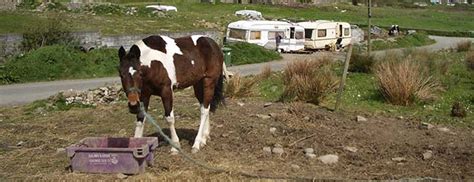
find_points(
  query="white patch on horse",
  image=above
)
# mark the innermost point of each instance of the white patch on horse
(131, 71)
(171, 47)
(148, 55)
(192, 62)
(200, 137)
(195, 38)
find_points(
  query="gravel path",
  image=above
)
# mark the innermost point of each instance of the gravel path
(18, 94)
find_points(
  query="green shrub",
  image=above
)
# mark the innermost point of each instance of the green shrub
(28, 4)
(59, 62)
(246, 53)
(308, 81)
(47, 33)
(361, 62)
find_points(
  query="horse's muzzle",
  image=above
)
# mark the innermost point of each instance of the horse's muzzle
(134, 109)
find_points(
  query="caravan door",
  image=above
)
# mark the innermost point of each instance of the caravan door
(292, 41)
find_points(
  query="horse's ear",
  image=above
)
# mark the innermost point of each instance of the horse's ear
(121, 52)
(134, 51)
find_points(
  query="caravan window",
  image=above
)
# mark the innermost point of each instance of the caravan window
(321, 32)
(237, 34)
(346, 31)
(272, 35)
(255, 35)
(308, 33)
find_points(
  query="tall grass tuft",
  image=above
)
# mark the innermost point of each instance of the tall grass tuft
(308, 80)
(404, 82)
(361, 62)
(463, 46)
(238, 87)
(265, 73)
(470, 60)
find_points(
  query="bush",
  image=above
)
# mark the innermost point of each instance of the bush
(308, 81)
(246, 53)
(463, 46)
(237, 87)
(470, 60)
(44, 34)
(59, 62)
(361, 62)
(404, 82)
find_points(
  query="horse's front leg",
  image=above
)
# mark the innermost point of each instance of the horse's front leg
(140, 124)
(167, 99)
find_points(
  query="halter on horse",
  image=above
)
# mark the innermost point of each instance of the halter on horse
(157, 65)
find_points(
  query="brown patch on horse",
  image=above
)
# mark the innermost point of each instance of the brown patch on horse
(155, 42)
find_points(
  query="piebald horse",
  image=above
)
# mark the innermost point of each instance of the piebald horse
(157, 65)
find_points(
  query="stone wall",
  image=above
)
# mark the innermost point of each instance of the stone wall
(9, 4)
(9, 43)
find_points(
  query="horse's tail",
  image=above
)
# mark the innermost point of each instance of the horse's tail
(218, 98)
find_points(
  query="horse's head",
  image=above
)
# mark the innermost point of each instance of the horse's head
(131, 76)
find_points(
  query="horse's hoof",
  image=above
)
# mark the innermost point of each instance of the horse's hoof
(194, 150)
(203, 143)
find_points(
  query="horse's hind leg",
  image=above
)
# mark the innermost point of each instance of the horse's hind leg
(204, 93)
(167, 99)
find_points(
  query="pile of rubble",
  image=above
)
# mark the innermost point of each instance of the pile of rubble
(103, 95)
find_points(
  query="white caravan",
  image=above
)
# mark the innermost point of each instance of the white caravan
(264, 33)
(323, 34)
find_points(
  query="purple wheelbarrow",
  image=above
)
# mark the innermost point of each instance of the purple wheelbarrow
(112, 155)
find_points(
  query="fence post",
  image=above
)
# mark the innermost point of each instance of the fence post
(343, 79)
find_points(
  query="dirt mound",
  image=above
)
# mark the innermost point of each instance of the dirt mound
(375, 148)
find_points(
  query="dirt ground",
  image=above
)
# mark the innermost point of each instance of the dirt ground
(239, 133)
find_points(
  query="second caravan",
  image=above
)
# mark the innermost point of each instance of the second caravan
(323, 34)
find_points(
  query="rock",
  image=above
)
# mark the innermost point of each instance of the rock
(240, 104)
(411, 32)
(329, 159)
(427, 155)
(427, 126)
(277, 150)
(310, 155)
(60, 150)
(261, 116)
(267, 150)
(350, 149)
(267, 104)
(443, 129)
(400, 117)
(294, 166)
(361, 119)
(306, 118)
(273, 115)
(399, 159)
(121, 176)
(21, 143)
(273, 130)
(278, 145)
(308, 150)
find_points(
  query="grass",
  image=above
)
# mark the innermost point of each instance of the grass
(361, 94)
(246, 53)
(414, 40)
(190, 15)
(58, 62)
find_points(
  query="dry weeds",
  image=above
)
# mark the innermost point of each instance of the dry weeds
(238, 86)
(463, 46)
(404, 82)
(308, 80)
